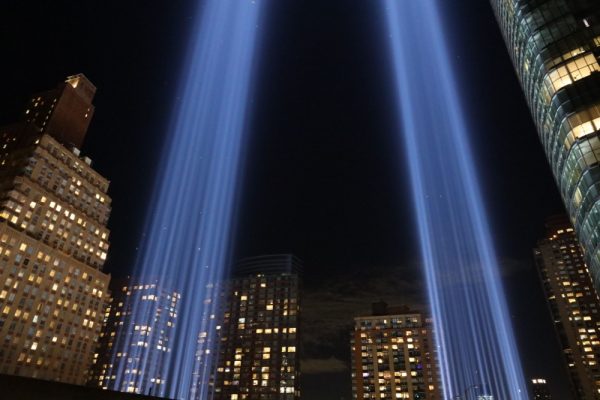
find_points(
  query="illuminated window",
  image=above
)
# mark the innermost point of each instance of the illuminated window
(573, 71)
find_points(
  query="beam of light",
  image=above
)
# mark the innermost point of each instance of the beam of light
(476, 346)
(188, 229)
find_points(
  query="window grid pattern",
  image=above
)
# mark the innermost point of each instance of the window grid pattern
(53, 244)
(554, 46)
(393, 358)
(574, 305)
(259, 339)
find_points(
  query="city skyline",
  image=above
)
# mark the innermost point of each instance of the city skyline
(320, 181)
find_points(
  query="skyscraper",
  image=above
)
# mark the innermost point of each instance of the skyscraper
(259, 339)
(64, 112)
(53, 242)
(540, 389)
(393, 356)
(555, 46)
(574, 305)
(115, 367)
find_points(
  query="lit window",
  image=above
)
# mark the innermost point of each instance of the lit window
(573, 71)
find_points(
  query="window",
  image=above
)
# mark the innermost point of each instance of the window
(573, 71)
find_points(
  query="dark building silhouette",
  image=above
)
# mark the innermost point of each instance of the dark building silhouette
(20, 388)
(539, 389)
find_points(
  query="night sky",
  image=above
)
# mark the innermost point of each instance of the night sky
(322, 176)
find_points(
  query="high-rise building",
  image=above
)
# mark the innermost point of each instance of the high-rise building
(127, 336)
(259, 337)
(539, 389)
(393, 356)
(53, 244)
(574, 305)
(555, 48)
(65, 111)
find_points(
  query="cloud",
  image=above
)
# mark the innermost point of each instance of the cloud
(321, 366)
(510, 267)
(329, 307)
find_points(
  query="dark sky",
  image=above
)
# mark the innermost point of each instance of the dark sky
(321, 177)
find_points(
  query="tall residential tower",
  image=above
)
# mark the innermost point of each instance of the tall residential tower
(574, 305)
(259, 340)
(555, 48)
(125, 332)
(53, 239)
(393, 356)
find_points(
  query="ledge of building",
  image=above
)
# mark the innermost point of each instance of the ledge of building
(20, 388)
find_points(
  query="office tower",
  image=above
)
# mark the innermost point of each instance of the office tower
(574, 305)
(393, 356)
(555, 46)
(539, 389)
(53, 244)
(259, 340)
(65, 111)
(125, 332)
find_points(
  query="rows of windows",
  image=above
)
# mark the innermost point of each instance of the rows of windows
(68, 182)
(390, 361)
(26, 208)
(137, 341)
(555, 52)
(51, 310)
(574, 302)
(259, 341)
(76, 165)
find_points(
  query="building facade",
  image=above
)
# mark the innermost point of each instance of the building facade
(53, 244)
(555, 48)
(65, 111)
(539, 389)
(127, 337)
(574, 305)
(393, 356)
(258, 356)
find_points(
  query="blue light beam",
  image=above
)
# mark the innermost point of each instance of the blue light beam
(473, 332)
(188, 229)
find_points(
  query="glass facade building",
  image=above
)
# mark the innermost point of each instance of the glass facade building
(555, 48)
(574, 306)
